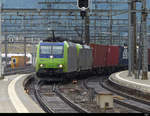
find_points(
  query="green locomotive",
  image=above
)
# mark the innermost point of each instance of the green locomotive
(62, 58)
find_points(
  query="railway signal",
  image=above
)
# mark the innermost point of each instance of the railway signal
(83, 3)
(83, 13)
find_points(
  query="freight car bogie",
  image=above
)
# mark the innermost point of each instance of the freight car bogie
(97, 71)
(84, 74)
(110, 70)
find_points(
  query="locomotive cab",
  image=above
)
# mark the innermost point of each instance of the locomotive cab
(56, 58)
(50, 59)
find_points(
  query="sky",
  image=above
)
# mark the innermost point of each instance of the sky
(34, 3)
(20, 3)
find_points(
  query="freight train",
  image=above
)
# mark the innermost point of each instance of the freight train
(59, 58)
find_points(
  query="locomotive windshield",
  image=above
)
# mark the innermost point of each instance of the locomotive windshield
(57, 50)
(54, 50)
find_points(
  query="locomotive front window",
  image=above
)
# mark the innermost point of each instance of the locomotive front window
(53, 50)
(57, 50)
(46, 49)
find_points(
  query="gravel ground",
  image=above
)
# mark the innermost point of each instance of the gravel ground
(81, 96)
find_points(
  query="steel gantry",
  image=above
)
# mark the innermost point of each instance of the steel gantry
(65, 21)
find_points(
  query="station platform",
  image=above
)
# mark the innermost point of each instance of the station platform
(123, 79)
(13, 98)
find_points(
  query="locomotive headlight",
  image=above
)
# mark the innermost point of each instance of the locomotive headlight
(60, 66)
(51, 57)
(41, 65)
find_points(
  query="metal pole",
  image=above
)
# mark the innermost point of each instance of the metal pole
(0, 39)
(145, 41)
(110, 26)
(133, 22)
(6, 50)
(132, 48)
(24, 40)
(87, 32)
(32, 51)
(53, 33)
(129, 39)
(24, 51)
(82, 33)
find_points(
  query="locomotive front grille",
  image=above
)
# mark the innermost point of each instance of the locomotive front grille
(51, 70)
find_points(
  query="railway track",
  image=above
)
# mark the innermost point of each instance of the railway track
(51, 100)
(130, 92)
(23, 70)
(142, 104)
(124, 100)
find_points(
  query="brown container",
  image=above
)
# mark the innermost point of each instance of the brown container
(99, 55)
(112, 58)
(18, 61)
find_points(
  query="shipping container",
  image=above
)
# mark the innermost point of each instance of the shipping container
(99, 55)
(18, 61)
(112, 56)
